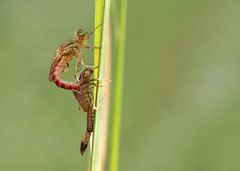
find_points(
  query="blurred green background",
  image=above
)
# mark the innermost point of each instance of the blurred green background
(181, 91)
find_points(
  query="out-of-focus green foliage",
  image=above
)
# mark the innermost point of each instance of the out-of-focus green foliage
(181, 91)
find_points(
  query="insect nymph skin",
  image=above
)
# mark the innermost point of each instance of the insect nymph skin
(84, 97)
(65, 53)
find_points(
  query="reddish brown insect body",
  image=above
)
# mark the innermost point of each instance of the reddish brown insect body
(65, 53)
(56, 73)
(85, 99)
(83, 86)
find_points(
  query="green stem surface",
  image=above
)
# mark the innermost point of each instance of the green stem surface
(102, 8)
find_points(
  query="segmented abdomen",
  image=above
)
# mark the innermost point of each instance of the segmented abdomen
(55, 75)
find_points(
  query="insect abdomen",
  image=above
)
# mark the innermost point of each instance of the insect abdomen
(55, 73)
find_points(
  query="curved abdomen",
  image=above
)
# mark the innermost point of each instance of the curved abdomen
(57, 69)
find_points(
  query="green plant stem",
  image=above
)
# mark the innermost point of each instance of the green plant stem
(102, 8)
(120, 34)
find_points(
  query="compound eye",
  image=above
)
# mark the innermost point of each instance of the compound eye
(80, 32)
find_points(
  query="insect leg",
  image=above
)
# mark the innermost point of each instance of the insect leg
(88, 66)
(99, 82)
(88, 48)
(94, 84)
(94, 29)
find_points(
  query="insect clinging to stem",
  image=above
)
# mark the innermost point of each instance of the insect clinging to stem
(85, 99)
(65, 53)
